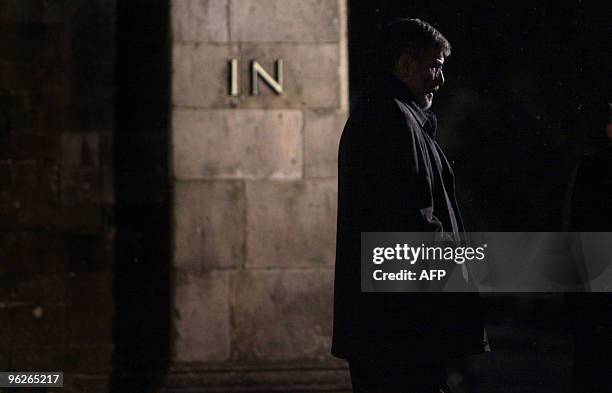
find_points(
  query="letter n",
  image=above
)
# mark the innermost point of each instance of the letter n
(276, 84)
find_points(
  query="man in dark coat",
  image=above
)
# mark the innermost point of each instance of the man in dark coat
(591, 313)
(394, 177)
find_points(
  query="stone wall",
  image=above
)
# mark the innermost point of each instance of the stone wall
(56, 188)
(254, 183)
(119, 138)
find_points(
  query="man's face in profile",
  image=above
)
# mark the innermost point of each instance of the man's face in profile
(423, 76)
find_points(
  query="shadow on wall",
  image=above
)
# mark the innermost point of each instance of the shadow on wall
(141, 287)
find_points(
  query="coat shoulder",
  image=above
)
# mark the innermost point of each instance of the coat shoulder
(382, 113)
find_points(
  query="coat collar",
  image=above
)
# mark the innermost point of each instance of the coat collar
(395, 88)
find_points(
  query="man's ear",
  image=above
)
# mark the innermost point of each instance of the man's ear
(405, 65)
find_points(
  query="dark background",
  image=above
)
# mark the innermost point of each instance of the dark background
(526, 92)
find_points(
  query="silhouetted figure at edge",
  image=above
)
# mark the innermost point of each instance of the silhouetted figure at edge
(393, 176)
(591, 313)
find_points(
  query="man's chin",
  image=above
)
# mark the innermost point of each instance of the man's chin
(425, 101)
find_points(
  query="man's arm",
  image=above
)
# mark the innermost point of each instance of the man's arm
(399, 171)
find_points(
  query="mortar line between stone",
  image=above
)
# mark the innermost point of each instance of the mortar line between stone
(245, 217)
(195, 41)
(229, 20)
(303, 145)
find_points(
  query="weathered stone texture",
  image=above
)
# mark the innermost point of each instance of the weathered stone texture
(19, 253)
(90, 308)
(25, 145)
(87, 360)
(284, 21)
(254, 188)
(209, 224)
(200, 74)
(77, 382)
(35, 326)
(80, 150)
(199, 20)
(237, 144)
(54, 255)
(80, 186)
(311, 75)
(282, 315)
(291, 223)
(201, 316)
(39, 290)
(30, 182)
(322, 133)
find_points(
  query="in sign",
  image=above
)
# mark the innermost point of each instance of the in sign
(257, 73)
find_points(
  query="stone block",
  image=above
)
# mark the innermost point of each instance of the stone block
(94, 382)
(199, 20)
(200, 74)
(322, 133)
(209, 224)
(5, 175)
(86, 359)
(26, 181)
(106, 147)
(237, 144)
(54, 254)
(201, 316)
(282, 315)
(79, 186)
(35, 325)
(31, 146)
(6, 150)
(19, 253)
(282, 21)
(84, 219)
(107, 186)
(16, 105)
(5, 339)
(54, 109)
(49, 183)
(311, 76)
(38, 358)
(5, 358)
(37, 290)
(90, 308)
(93, 28)
(23, 44)
(80, 150)
(15, 11)
(34, 13)
(291, 223)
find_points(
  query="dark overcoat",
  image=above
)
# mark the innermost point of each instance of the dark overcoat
(393, 177)
(591, 208)
(591, 313)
